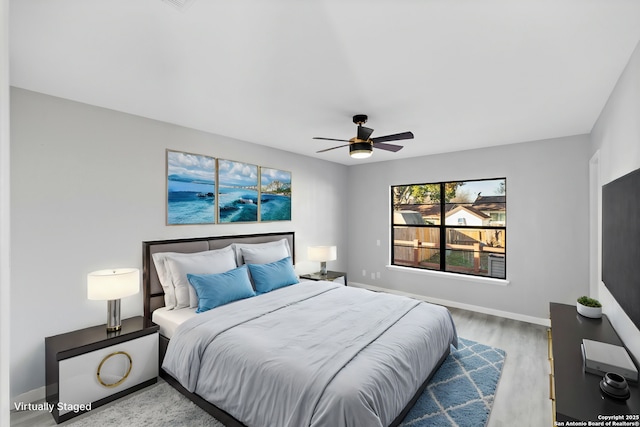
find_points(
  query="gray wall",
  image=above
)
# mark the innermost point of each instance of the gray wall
(616, 142)
(88, 186)
(547, 224)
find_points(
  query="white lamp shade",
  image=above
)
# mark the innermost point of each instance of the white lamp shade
(113, 284)
(322, 253)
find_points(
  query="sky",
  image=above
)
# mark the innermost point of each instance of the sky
(268, 175)
(237, 173)
(194, 166)
(487, 188)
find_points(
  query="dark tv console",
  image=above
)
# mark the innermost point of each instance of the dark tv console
(576, 394)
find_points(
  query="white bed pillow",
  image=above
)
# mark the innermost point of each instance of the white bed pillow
(207, 262)
(165, 279)
(261, 253)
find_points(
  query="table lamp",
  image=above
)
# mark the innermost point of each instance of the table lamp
(322, 254)
(111, 285)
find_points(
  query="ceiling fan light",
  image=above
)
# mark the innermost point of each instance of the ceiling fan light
(360, 150)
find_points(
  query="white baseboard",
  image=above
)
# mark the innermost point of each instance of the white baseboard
(463, 306)
(31, 396)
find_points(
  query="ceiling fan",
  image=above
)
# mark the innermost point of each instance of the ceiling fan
(361, 146)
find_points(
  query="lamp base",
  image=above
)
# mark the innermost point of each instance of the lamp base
(323, 269)
(113, 315)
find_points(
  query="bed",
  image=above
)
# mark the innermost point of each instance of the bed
(308, 354)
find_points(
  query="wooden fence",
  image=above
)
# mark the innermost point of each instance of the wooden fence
(420, 247)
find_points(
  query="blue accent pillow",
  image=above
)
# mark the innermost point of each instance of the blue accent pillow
(219, 289)
(273, 275)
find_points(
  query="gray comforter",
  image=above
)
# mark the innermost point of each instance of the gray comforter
(312, 354)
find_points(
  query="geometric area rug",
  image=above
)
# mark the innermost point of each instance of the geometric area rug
(460, 394)
(462, 391)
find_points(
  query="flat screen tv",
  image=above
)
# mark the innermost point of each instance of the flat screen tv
(621, 242)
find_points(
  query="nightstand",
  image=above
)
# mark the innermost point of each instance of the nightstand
(331, 276)
(90, 367)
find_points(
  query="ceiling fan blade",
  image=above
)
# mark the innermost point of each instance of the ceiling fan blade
(332, 148)
(388, 147)
(364, 133)
(330, 139)
(395, 137)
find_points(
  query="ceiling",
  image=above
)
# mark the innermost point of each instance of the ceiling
(460, 74)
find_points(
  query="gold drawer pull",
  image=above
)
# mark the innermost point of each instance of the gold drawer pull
(552, 388)
(549, 344)
(123, 377)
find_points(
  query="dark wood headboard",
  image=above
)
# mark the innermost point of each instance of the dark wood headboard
(153, 293)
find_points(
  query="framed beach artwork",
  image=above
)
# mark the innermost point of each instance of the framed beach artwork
(191, 188)
(275, 195)
(237, 192)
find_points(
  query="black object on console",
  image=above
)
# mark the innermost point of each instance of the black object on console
(615, 386)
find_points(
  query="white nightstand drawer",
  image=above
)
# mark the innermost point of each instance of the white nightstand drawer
(78, 376)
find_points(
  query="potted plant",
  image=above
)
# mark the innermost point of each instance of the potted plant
(589, 307)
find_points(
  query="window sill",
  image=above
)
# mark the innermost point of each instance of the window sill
(447, 275)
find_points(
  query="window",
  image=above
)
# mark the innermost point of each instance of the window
(458, 227)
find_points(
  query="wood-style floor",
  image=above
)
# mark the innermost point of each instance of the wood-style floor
(522, 397)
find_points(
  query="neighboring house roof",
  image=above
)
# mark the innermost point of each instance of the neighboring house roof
(427, 210)
(407, 217)
(430, 210)
(490, 203)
